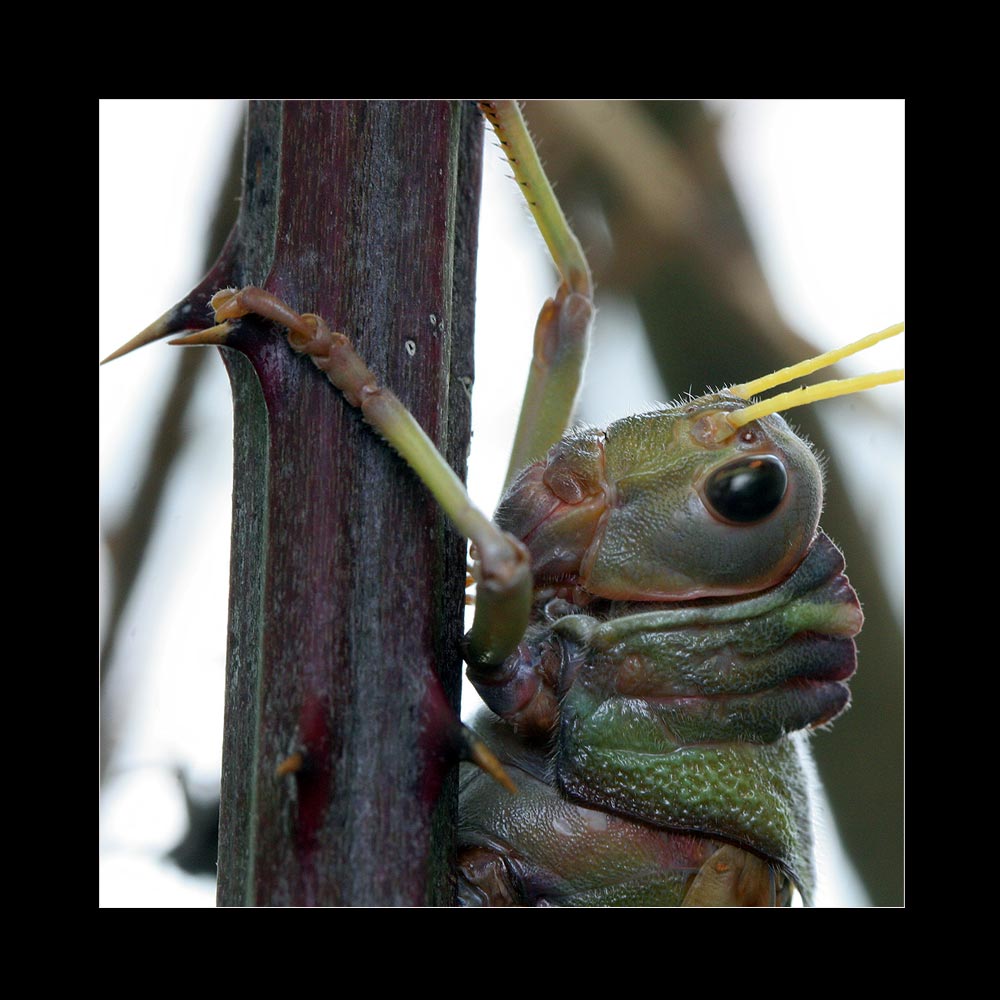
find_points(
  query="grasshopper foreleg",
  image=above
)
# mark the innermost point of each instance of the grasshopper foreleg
(503, 572)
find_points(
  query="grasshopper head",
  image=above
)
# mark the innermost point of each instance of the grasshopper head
(669, 505)
(695, 513)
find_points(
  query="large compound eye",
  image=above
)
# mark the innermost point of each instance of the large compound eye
(748, 489)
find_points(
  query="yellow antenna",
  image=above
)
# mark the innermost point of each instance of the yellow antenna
(809, 394)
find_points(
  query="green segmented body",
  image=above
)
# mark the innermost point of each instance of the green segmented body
(654, 731)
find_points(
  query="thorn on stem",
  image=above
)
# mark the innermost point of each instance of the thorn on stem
(476, 751)
(290, 765)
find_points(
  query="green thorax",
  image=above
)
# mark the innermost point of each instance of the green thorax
(691, 718)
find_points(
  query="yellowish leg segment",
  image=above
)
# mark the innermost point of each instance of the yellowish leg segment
(562, 333)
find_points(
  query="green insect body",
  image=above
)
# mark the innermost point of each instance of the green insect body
(689, 625)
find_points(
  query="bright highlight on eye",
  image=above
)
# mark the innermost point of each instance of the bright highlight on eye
(809, 394)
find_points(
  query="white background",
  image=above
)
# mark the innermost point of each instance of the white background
(822, 185)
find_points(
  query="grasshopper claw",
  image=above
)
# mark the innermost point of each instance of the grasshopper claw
(217, 334)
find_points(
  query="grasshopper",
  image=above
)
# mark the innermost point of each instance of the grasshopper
(256, 309)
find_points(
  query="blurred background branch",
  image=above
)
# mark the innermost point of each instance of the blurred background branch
(127, 538)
